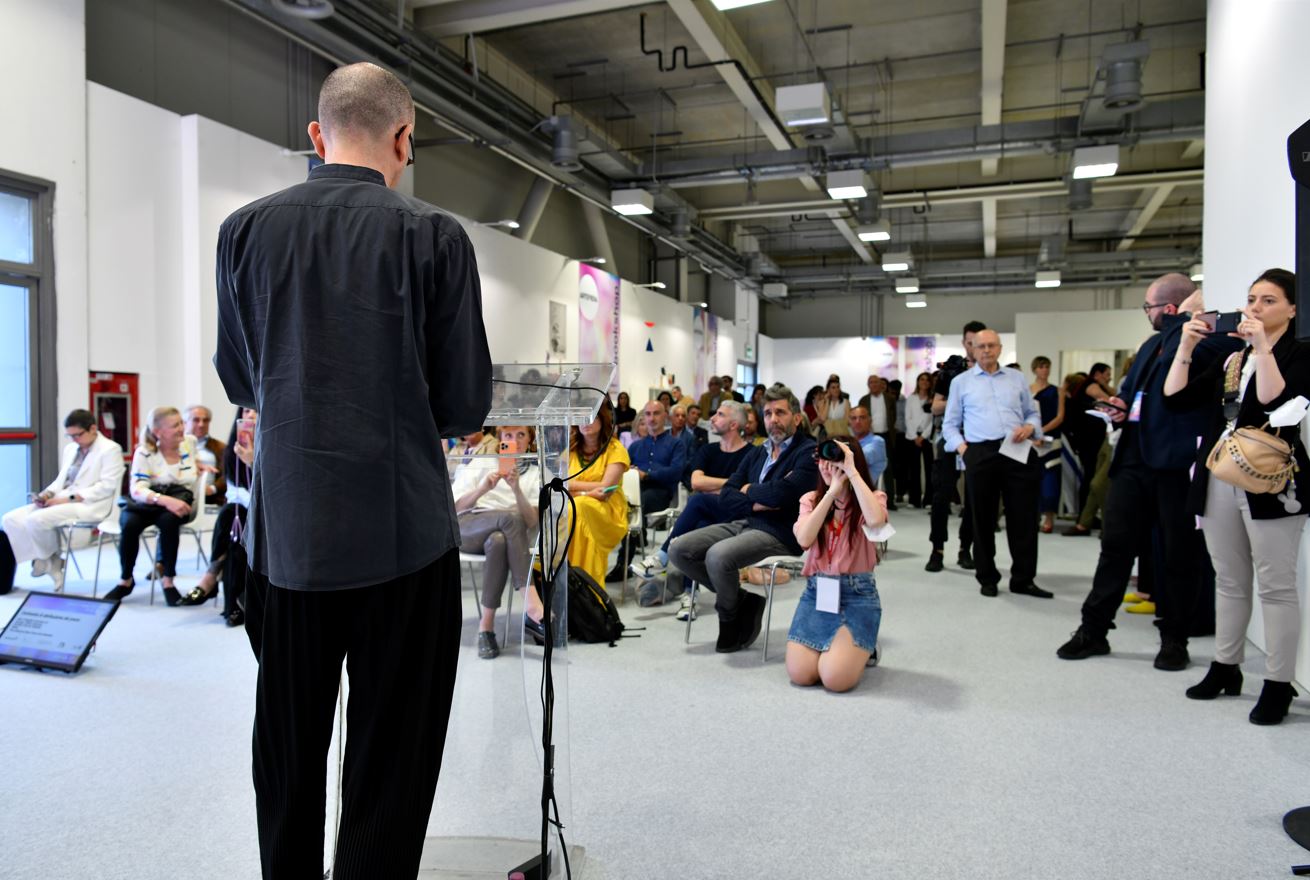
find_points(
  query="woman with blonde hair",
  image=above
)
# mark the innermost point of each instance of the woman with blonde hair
(166, 480)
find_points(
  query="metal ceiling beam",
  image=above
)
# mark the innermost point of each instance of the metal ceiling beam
(989, 227)
(993, 70)
(960, 195)
(1194, 148)
(719, 40)
(1148, 203)
(479, 16)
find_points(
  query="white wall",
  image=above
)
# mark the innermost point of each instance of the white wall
(1049, 333)
(671, 339)
(1256, 69)
(43, 96)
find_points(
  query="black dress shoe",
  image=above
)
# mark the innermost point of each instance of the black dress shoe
(750, 615)
(535, 629)
(934, 561)
(172, 597)
(989, 590)
(196, 597)
(235, 617)
(1033, 590)
(1083, 645)
(1275, 699)
(1173, 656)
(965, 561)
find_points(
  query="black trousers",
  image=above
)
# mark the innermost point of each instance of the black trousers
(400, 643)
(992, 478)
(133, 523)
(944, 476)
(8, 565)
(1139, 500)
(918, 471)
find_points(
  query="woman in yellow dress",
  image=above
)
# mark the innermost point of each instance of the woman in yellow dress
(599, 460)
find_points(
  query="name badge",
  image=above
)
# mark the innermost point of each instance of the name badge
(827, 594)
(1135, 411)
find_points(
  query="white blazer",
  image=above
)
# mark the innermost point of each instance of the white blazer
(100, 479)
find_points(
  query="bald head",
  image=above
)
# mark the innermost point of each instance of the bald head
(987, 349)
(1170, 289)
(363, 102)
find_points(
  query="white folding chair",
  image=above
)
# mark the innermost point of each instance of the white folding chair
(793, 564)
(66, 532)
(632, 492)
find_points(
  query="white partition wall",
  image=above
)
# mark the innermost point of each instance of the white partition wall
(1256, 70)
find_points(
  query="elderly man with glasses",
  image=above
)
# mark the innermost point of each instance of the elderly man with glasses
(89, 480)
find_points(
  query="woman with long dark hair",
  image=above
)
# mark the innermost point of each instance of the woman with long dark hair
(624, 414)
(597, 461)
(835, 629)
(918, 433)
(1251, 533)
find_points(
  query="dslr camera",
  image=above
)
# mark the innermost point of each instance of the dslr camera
(953, 366)
(828, 450)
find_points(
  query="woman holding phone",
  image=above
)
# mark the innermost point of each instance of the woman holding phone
(597, 462)
(1247, 533)
(835, 629)
(495, 500)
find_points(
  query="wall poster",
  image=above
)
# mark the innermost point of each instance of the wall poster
(598, 318)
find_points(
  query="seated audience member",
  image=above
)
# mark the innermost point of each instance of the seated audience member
(638, 431)
(700, 435)
(710, 400)
(837, 529)
(1250, 533)
(221, 540)
(752, 432)
(1050, 400)
(665, 398)
(498, 518)
(714, 463)
(658, 459)
(624, 414)
(918, 440)
(209, 451)
(726, 383)
(760, 502)
(598, 460)
(84, 491)
(482, 442)
(680, 428)
(166, 480)
(873, 446)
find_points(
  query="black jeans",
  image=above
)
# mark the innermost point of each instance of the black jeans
(1141, 498)
(992, 478)
(400, 643)
(8, 565)
(133, 523)
(944, 476)
(918, 471)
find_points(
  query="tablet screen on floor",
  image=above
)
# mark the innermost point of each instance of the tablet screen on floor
(54, 631)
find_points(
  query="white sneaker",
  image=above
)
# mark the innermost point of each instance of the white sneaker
(55, 569)
(648, 567)
(687, 608)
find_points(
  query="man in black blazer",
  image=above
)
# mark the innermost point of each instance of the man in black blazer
(761, 503)
(1149, 482)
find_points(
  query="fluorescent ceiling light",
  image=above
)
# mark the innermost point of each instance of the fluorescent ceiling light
(916, 301)
(508, 224)
(632, 202)
(907, 284)
(735, 4)
(599, 261)
(880, 231)
(1048, 279)
(897, 262)
(654, 285)
(804, 104)
(1100, 161)
(847, 184)
(703, 305)
(1196, 274)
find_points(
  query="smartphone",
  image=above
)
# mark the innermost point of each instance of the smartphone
(1105, 404)
(608, 489)
(246, 433)
(508, 449)
(1221, 322)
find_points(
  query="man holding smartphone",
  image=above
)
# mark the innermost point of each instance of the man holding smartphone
(1149, 484)
(350, 317)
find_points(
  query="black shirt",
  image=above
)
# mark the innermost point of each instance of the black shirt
(714, 462)
(350, 317)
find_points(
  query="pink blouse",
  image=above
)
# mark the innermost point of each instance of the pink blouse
(842, 555)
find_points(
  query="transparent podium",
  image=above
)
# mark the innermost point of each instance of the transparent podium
(487, 816)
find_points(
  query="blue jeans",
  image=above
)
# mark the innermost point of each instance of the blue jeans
(859, 610)
(701, 510)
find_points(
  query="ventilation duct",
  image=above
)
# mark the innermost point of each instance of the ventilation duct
(1080, 194)
(1121, 64)
(1051, 251)
(311, 9)
(680, 224)
(564, 147)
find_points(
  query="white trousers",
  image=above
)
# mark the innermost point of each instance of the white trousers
(34, 531)
(1243, 549)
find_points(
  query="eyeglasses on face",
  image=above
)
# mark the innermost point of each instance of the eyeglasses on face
(1146, 307)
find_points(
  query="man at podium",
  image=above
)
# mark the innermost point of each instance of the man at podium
(350, 316)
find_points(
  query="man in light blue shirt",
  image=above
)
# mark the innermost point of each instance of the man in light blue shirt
(873, 446)
(990, 407)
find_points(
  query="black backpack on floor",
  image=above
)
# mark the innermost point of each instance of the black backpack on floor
(592, 615)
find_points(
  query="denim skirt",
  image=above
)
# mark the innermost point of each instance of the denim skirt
(859, 609)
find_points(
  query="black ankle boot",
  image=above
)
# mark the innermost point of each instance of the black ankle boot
(1221, 677)
(1274, 701)
(729, 635)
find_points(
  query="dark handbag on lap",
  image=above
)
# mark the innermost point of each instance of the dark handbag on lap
(180, 491)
